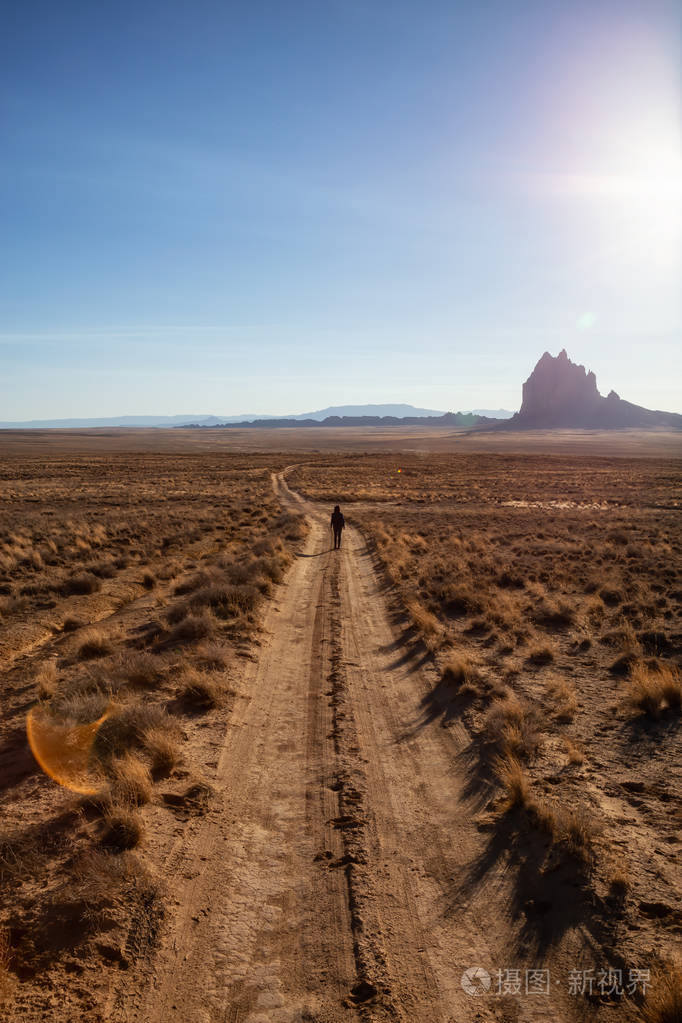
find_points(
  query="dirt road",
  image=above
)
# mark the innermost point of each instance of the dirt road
(341, 874)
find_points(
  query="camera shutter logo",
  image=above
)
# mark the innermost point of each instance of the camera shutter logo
(476, 980)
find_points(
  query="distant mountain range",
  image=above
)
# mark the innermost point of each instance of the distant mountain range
(394, 410)
(558, 394)
(452, 419)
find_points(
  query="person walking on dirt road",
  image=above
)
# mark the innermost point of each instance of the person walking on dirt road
(338, 522)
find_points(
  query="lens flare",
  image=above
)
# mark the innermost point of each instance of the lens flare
(64, 749)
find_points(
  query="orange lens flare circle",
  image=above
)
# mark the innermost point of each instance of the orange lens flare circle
(64, 749)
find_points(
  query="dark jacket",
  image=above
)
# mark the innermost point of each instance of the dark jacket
(338, 521)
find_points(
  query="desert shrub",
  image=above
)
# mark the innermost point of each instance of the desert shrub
(162, 747)
(460, 601)
(226, 601)
(72, 624)
(212, 656)
(509, 580)
(131, 784)
(141, 669)
(509, 728)
(192, 583)
(459, 673)
(192, 628)
(540, 656)
(95, 644)
(624, 663)
(554, 616)
(425, 622)
(564, 695)
(572, 832)
(654, 690)
(574, 753)
(46, 679)
(123, 828)
(619, 884)
(513, 779)
(125, 729)
(177, 613)
(80, 584)
(102, 569)
(201, 691)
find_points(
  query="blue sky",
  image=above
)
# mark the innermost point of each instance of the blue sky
(268, 207)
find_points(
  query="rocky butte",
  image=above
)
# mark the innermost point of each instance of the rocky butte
(560, 393)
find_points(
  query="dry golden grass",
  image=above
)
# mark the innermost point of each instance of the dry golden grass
(163, 749)
(94, 644)
(123, 828)
(7, 978)
(131, 784)
(509, 727)
(541, 655)
(654, 690)
(664, 998)
(576, 756)
(426, 623)
(513, 778)
(566, 703)
(460, 673)
(46, 679)
(201, 690)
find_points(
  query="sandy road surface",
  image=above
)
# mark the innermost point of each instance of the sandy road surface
(334, 878)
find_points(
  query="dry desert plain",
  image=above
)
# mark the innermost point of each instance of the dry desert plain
(433, 777)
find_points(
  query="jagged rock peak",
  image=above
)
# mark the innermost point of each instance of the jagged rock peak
(558, 390)
(561, 393)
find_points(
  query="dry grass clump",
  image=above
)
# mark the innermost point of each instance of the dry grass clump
(46, 679)
(80, 584)
(575, 754)
(192, 628)
(565, 699)
(654, 690)
(570, 831)
(624, 663)
(554, 615)
(71, 624)
(577, 831)
(227, 601)
(611, 596)
(425, 622)
(619, 884)
(510, 728)
(7, 978)
(192, 583)
(164, 752)
(123, 828)
(142, 669)
(125, 729)
(200, 691)
(513, 778)
(212, 656)
(664, 997)
(460, 674)
(539, 656)
(95, 644)
(131, 784)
